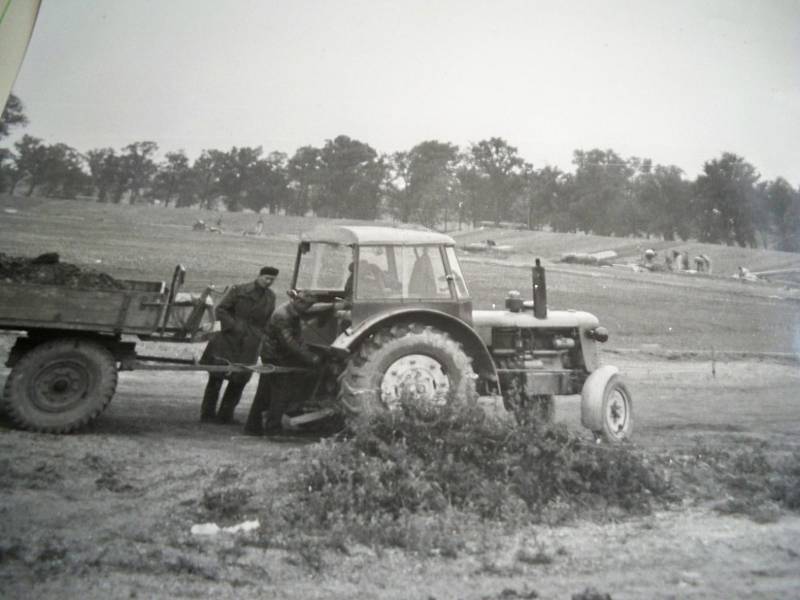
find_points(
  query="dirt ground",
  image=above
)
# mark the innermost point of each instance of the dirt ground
(108, 513)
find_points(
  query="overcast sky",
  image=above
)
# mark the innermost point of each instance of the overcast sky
(678, 81)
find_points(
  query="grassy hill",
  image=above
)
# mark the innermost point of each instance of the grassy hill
(673, 310)
(550, 246)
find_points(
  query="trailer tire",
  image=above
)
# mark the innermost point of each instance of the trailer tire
(413, 359)
(60, 385)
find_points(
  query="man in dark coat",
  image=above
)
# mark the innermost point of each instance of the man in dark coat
(283, 346)
(243, 314)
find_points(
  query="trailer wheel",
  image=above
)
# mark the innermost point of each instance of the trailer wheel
(406, 361)
(60, 385)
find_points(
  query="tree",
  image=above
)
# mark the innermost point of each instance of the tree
(205, 172)
(174, 180)
(545, 201)
(62, 172)
(398, 178)
(783, 211)
(29, 159)
(268, 185)
(13, 116)
(726, 197)
(105, 172)
(303, 172)
(500, 166)
(472, 192)
(138, 167)
(431, 181)
(234, 172)
(351, 177)
(600, 193)
(664, 199)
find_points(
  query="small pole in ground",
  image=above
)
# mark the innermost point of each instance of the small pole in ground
(713, 363)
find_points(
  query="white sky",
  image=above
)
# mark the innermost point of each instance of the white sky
(678, 81)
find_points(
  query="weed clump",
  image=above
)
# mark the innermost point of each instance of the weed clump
(409, 478)
(784, 484)
(753, 486)
(225, 503)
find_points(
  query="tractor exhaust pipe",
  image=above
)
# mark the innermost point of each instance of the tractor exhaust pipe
(539, 291)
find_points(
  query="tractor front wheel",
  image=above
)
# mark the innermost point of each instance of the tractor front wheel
(617, 412)
(406, 362)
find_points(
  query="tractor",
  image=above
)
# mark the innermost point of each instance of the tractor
(394, 316)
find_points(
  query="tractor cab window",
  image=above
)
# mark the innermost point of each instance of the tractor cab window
(424, 274)
(378, 275)
(455, 271)
(323, 266)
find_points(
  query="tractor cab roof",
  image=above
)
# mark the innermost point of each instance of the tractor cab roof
(371, 235)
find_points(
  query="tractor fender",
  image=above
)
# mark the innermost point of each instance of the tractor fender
(592, 397)
(458, 329)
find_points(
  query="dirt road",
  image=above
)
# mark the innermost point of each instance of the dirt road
(108, 513)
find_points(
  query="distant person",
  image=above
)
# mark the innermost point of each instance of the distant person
(243, 314)
(699, 264)
(707, 262)
(676, 259)
(260, 226)
(648, 258)
(283, 346)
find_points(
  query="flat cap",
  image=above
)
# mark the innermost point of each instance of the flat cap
(269, 271)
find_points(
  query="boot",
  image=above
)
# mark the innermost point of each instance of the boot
(231, 397)
(208, 409)
(255, 419)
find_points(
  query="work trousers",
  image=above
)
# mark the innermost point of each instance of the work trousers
(274, 396)
(259, 407)
(231, 397)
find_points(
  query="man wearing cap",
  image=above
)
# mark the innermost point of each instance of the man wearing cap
(283, 346)
(243, 314)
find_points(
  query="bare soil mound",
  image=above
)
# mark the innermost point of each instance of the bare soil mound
(47, 269)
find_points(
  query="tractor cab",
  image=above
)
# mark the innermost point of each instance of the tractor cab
(370, 271)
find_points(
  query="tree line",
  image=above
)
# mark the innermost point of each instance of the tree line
(436, 184)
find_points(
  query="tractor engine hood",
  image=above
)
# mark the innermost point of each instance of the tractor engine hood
(484, 321)
(556, 319)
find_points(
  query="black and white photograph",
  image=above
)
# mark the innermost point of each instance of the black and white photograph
(397, 300)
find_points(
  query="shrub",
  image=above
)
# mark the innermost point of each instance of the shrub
(784, 484)
(409, 478)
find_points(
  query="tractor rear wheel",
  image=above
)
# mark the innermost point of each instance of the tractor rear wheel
(406, 362)
(60, 385)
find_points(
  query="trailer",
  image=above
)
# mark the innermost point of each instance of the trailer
(71, 344)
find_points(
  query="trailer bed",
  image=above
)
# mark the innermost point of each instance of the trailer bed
(136, 310)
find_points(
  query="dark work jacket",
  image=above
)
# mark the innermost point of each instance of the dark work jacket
(243, 314)
(283, 344)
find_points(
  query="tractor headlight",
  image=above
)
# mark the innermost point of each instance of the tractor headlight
(598, 334)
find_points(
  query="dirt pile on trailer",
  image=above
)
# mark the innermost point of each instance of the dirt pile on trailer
(47, 269)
